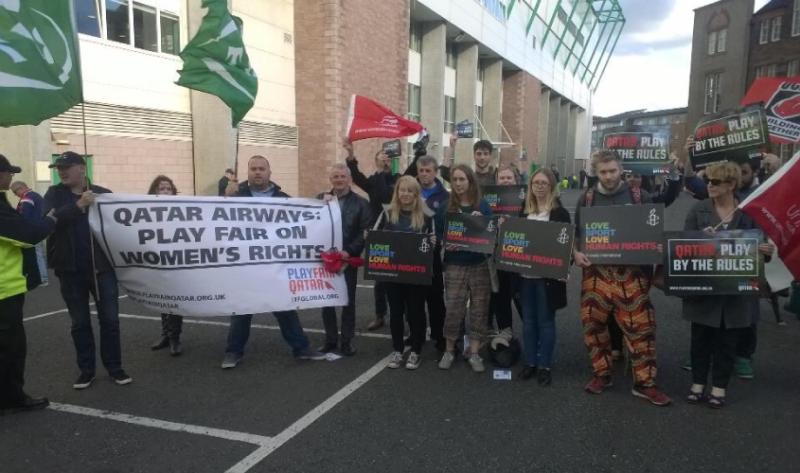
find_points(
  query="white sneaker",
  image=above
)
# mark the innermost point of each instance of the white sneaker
(413, 361)
(396, 361)
(476, 362)
(447, 360)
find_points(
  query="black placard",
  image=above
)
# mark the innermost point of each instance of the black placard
(644, 150)
(622, 234)
(401, 257)
(466, 232)
(465, 129)
(535, 248)
(723, 263)
(392, 148)
(734, 136)
(505, 200)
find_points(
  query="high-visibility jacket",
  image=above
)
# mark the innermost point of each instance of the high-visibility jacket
(17, 233)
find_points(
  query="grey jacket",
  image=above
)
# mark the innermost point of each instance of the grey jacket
(711, 311)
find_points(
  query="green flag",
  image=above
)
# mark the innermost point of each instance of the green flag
(215, 61)
(39, 76)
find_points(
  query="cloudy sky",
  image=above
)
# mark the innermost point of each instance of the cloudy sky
(655, 49)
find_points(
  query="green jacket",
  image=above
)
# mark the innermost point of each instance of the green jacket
(17, 233)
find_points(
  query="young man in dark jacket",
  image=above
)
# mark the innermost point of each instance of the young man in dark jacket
(83, 269)
(258, 184)
(356, 220)
(16, 233)
(617, 291)
(379, 187)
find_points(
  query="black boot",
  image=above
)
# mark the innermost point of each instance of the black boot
(175, 347)
(174, 326)
(162, 342)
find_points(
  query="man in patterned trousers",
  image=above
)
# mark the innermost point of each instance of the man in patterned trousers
(621, 292)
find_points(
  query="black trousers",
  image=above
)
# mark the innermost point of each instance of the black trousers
(434, 298)
(171, 326)
(406, 300)
(379, 292)
(500, 311)
(13, 348)
(713, 349)
(746, 347)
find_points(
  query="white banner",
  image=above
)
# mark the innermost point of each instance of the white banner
(212, 256)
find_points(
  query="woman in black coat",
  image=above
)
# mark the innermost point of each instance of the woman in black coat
(541, 297)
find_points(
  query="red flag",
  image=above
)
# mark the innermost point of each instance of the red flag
(781, 99)
(370, 119)
(775, 206)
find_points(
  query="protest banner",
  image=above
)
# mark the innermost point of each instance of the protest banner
(465, 129)
(535, 248)
(723, 263)
(643, 150)
(731, 136)
(622, 234)
(206, 256)
(505, 200)
(781, 99)
(399, 257)
(466, 232)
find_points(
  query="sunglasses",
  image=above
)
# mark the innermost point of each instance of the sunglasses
(714, 182)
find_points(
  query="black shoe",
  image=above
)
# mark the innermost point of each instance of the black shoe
(162, 342)
(347, 349)
(27, 404)
(328, 348)
(121, 377)
(83, 381)
(175, 347)
(527, 372)
(544, 378)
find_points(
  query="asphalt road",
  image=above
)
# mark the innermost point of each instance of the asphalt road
(185, 414)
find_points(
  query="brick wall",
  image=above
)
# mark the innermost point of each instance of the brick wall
(283, 164)
(129, 165)
(344, 47)
(521, 94)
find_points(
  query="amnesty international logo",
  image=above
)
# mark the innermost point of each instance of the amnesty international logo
(424, 246)
(652, 218)
(563, 238)
(491, 226)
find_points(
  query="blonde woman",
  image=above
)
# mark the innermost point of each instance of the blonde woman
(466, 275)
(541, 297)
(407, 212)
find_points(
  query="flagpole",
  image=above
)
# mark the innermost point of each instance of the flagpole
(236, 155)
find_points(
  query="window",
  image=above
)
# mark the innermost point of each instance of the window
(118, 21)
(88, 17)
(415, 37)
(712, 43)
(171, 34)
(763, 37)
(722, 40)
(479, 118)
(151, 20)
(414, 104)
(712, 97)
(449, 114)
(772, 70)
(796, 19)
(776, 28)
(145, 35)
(793, 68)
(761, 71)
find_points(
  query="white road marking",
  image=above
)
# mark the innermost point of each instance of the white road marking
(301, 424)
(48, 314)
(260, 326)
(163, 424)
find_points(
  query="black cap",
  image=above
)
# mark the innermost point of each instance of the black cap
(5, 166)
(68, 158)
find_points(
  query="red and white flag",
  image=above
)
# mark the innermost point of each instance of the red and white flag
(781, 99)
(775, 206)
(370, 119)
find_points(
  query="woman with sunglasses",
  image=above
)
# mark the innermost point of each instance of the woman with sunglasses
(541, 297)
(171, 324)
(718, 321)
(466, 275)
(407, 212)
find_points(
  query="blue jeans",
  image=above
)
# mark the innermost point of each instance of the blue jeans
(538, 324)
(292, 331)
(75, 289)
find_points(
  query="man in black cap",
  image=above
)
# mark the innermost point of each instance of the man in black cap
(83, 269)
(15, 234)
